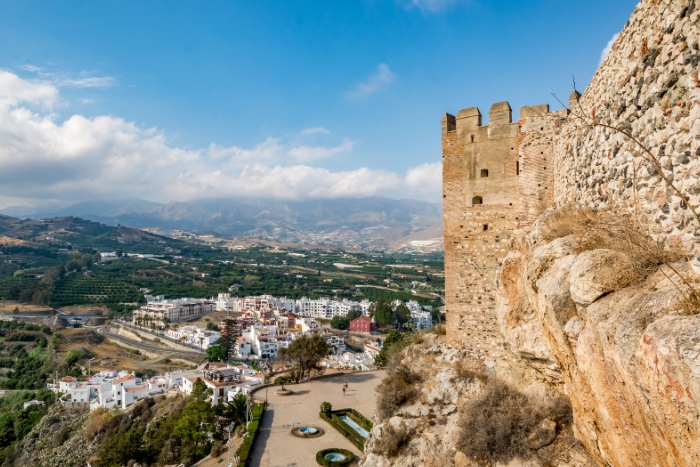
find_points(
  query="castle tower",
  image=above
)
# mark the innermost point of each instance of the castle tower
(494, 181)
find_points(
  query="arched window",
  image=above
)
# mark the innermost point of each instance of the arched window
(477, 200)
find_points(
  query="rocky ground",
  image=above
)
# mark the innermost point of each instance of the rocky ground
(56, 441)
(428, 431)
(602, 369)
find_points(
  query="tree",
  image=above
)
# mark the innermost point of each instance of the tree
(338, 322)
(304, 355)
(382, 313)
(235, 410)
(402, 314)
(326, 409)
(393, 342)
(13, 293)
(195, 416)
(353, 315)
(217, 353)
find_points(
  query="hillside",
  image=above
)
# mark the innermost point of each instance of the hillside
(361, 222)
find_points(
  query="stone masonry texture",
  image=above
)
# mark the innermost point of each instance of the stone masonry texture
(496, 178)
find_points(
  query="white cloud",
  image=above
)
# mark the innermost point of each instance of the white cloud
(432, 6)
(42, 158)
(315, 130)
(608, 47)
(14, 90)
(424, 181)
(383, 76)
(310, 153)
(81, 80)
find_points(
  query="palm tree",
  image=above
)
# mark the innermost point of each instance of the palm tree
(235, 410)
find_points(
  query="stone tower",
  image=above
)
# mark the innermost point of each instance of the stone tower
(496, 178)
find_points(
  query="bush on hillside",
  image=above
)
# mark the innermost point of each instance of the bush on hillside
(494, 428)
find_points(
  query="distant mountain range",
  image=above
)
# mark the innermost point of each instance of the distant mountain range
(371, 221)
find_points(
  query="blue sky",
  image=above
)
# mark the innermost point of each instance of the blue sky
(172, 100)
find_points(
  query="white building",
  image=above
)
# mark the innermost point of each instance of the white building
(326, 308)
(109, 389)
(223, 302)
(264, 341)
(157, 310)
(193, 335)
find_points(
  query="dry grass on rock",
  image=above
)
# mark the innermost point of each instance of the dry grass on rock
(398, 388)
(618, 230)
(495, 426)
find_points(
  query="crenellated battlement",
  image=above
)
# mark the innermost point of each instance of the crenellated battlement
(496, 179)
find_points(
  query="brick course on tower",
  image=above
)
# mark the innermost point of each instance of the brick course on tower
(496, 178)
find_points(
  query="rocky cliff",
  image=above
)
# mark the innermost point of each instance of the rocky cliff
(590, 319)
(598, 306)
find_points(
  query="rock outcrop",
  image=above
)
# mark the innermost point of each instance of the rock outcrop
(629, 353)
(56, 441)
(428, 431)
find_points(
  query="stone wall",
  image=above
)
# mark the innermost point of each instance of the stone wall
(649, 86)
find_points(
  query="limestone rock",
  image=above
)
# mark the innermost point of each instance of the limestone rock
(543, 435)
(630, 359)
(597, 272)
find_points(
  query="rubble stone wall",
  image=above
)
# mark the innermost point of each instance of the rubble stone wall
(649, 87)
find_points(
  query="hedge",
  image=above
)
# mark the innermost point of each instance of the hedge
(347, 431)
(243, 452)
(321, 457)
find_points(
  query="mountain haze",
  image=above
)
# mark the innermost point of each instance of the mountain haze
(381, 221)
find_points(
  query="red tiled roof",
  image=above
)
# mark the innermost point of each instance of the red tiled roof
(136, 389)
(363, 318)
(124, 378)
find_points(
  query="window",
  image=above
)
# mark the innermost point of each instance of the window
(484, 173)
(477, 200)
(517, 168)
(471, 137)
(486, 227)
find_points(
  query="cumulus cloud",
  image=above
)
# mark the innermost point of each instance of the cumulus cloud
(315, 130)
(43, 158)
(382, 77)
(608, 47)
(432, 6)
(424, 181)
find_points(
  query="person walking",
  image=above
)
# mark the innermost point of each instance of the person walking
(343, 390)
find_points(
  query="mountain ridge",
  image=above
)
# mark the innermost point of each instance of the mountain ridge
(370, 221)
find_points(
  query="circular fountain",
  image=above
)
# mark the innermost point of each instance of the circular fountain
(307, 432)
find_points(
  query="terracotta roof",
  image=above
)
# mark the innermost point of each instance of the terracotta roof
(363, 318)
(124, 378)
(136, 389)
(69, 379)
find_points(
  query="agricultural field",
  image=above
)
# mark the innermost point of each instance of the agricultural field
(56, 263)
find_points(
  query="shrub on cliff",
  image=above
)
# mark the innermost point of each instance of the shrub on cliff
(397, 388)
(495, 427)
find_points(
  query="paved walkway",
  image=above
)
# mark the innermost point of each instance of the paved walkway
(276, 447)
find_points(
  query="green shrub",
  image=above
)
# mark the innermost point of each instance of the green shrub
(243, 452)
(345, 429)
(326, 408)
(321, 457)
